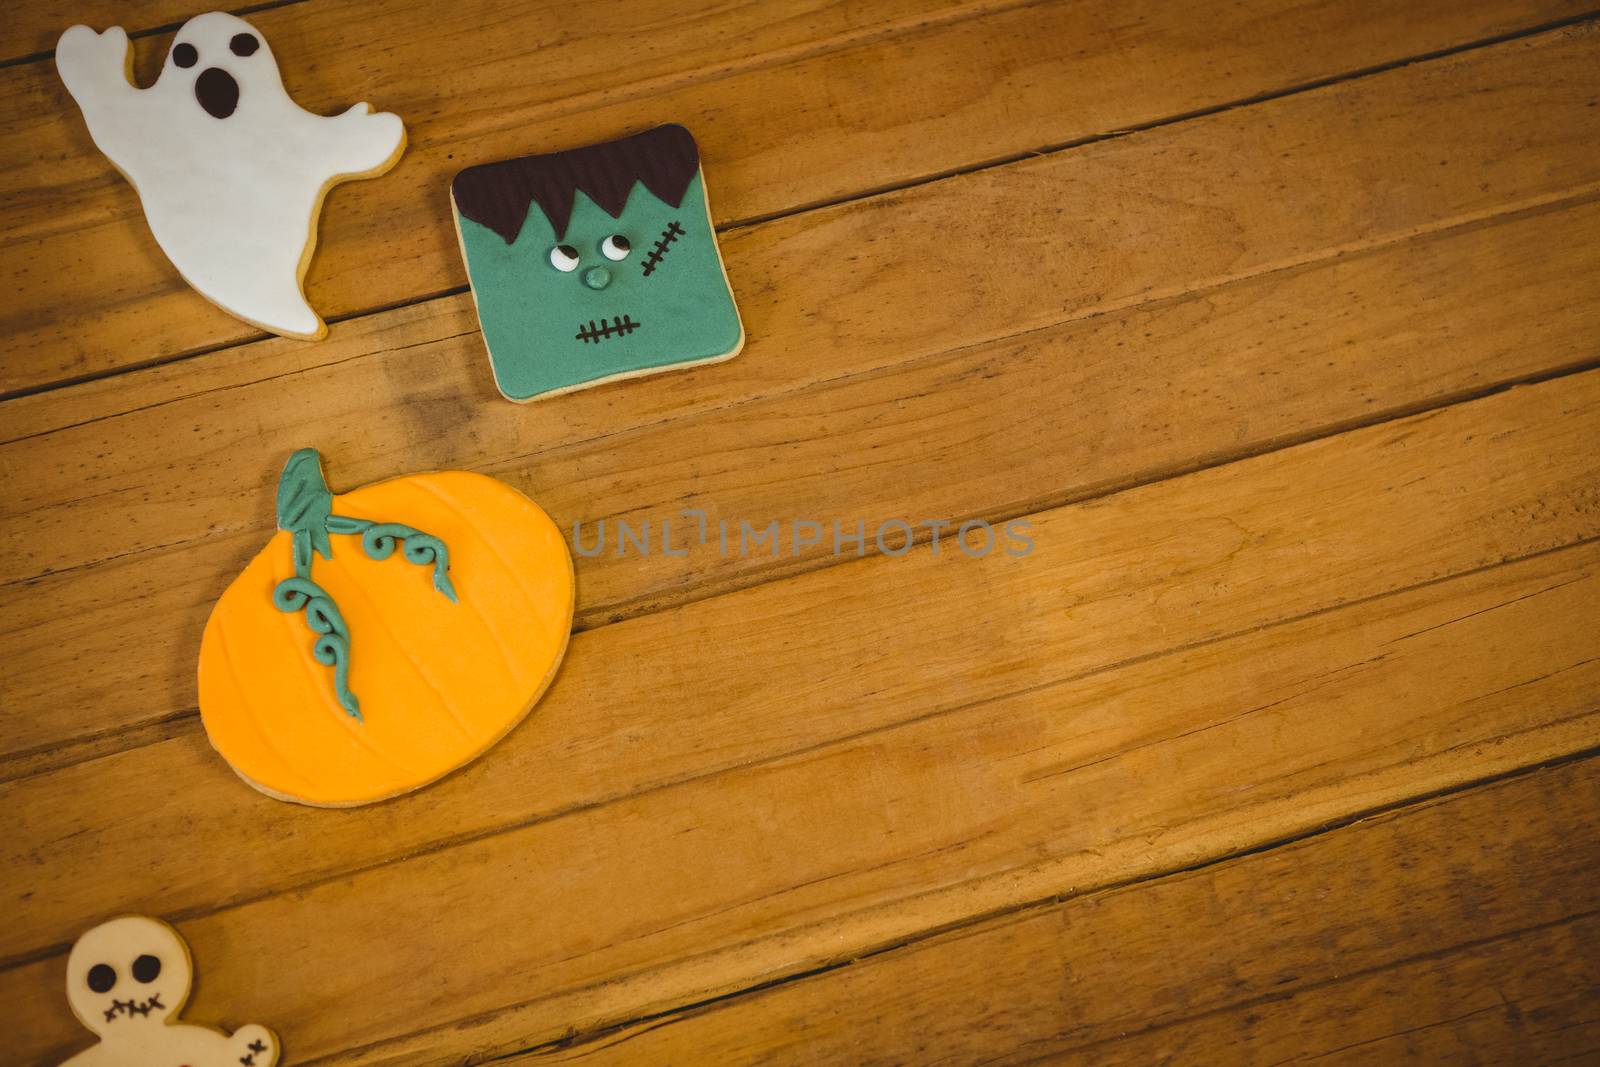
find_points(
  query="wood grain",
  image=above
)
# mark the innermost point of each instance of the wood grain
(1241, 368)
(1280, 744)
(1462, 930)
(1196, 222)
(164, 528)
(806, 107)
(901, 758)
(32, 29)
(108, 272)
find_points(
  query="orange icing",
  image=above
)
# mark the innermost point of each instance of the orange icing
(439, 682)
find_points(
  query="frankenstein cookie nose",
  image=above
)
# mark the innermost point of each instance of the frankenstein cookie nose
(597, 277)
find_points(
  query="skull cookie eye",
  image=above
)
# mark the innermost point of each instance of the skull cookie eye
(184, 55)
(146, 968)
(244, 44)
(615, 247)
(102, 978)
(564, 258)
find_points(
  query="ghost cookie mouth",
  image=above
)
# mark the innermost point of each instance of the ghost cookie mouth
(130, 1008)
(217, 92)
(618, 327)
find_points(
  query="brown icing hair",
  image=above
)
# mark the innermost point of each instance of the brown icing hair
(498, 195)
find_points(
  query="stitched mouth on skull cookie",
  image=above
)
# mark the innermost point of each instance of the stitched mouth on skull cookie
(130, 1008)
(619, 326)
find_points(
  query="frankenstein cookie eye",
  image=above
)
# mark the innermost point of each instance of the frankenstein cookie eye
(564, 258)
(102, 978)
(146, 968)
(185, 55)
(244, 44)
(615, 247)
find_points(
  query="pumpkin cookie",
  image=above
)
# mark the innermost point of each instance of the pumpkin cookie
(385, 636)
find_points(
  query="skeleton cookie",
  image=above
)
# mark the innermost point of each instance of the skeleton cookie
(230, 171)
(127, 980)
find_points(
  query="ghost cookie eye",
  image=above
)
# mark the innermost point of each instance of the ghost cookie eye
(668, 235)
(615, 247)
(564, 258)
(244, 44)
(184, 54)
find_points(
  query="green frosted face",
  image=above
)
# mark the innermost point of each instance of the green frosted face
(664, 304)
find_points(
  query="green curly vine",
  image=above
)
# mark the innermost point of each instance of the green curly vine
(305, 511)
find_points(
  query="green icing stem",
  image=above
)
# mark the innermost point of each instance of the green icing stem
(332, 648)
(378, 541)
(305, 511)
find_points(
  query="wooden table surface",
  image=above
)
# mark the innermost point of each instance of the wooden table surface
(1278, 321)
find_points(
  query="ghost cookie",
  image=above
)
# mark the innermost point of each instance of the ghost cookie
(595, 264)
(127, 980)
(230, 171)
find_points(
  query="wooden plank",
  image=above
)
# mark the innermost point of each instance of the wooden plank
(792, 118)
(1118, 399)
(810, 768)
(1527, 997)
(167, 530)
(676, 47)
(1463, 930)
(96, 278)
(980, 227)
(32, 29)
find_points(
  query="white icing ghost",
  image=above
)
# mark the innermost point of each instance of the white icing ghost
(230, 171)
(127, 980)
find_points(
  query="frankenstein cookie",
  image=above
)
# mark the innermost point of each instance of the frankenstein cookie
(595, 264)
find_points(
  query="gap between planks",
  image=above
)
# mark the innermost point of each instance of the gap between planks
(885, 188)
(446, 844)
(599, 1042)
(1442, 433)
(784, 54)
(920, 23)
(1152, 293)
(140, 33)
(58, 755)
(925, 25)
(404, 1046)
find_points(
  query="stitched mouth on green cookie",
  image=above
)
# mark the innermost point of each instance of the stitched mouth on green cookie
(619, 326)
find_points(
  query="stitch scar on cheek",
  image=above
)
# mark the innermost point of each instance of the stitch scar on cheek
(595, 264)
(664, 242)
